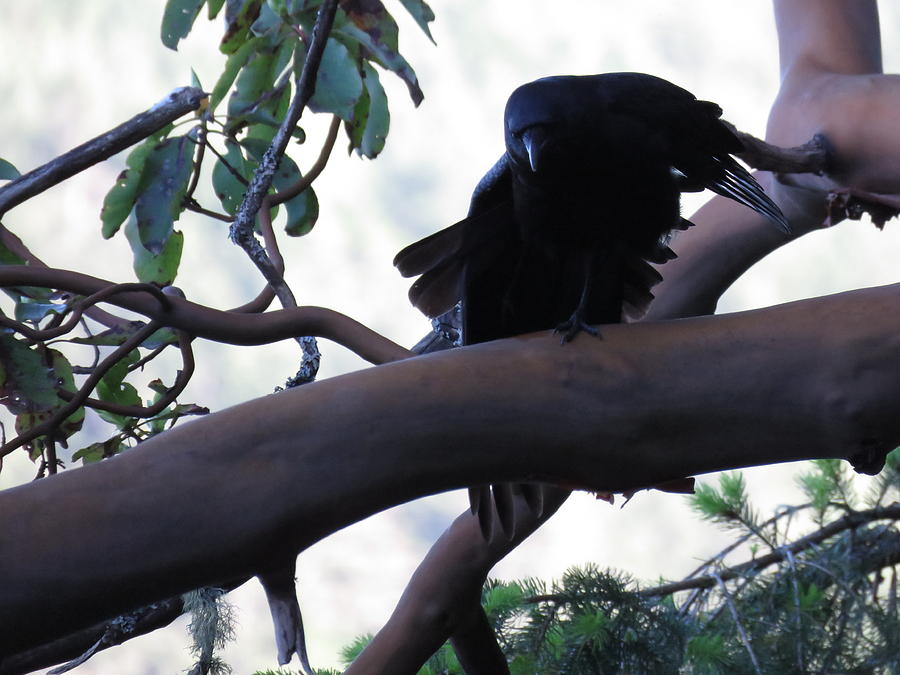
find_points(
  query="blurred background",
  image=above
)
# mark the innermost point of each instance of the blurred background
(74, 70)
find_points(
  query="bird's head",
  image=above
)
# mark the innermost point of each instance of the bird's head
(544, 121)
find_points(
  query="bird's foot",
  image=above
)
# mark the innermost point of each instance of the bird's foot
(573, 326)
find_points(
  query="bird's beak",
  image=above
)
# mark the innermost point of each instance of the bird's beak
(534, 138)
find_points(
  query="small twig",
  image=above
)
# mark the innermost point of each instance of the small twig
(198, 161)
(789, 511)
(234, 172)
(814, 156)
(139, 127)
(52, 461)
(41, 472)
(181, 381)
(318, 166)
(737, 622)
(139, 364)
(267, 95)
(192, 205)
(96, 348)
(795, 588)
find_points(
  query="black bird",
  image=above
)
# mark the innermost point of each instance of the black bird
(560, 231)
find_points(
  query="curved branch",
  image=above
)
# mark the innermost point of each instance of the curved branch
(283, 471)
(314, 171)
(139, 127)
(222, 326)
(80, 307)
(17, 246)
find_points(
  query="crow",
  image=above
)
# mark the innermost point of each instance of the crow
(561, 231)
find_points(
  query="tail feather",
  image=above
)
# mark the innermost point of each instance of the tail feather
(439, 289)
(638, 277)
(427, 253)
(740, 186)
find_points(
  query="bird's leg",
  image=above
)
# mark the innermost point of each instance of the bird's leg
(577, 323)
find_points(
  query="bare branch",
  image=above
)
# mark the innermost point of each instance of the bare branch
(79, 308)
(17, 246)
(814, 156)
(139, 127)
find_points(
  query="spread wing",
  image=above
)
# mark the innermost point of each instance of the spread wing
(441, 258)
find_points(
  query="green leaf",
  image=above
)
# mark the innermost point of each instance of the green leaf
(164, 183)
(268, 23)
(302, 210)
(112, 388)
(195, 81)
(256, 79)
(120, 199)
(369, 24)
(371, 118)
(239, 16)
(8, 171)
(228, 187)
(27, 383)
(155, 268)
(65, 379)
(295, 7)
(422, 13)
(59, 375)
(733, 487)
(178, 19)
(338, 82)
(95, 452)
(35, 309)
(257, 145)
(214, 7)
(233, 65)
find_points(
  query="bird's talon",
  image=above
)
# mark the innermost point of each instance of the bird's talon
(573, 327)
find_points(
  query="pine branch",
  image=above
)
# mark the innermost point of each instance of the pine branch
(851, 521)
